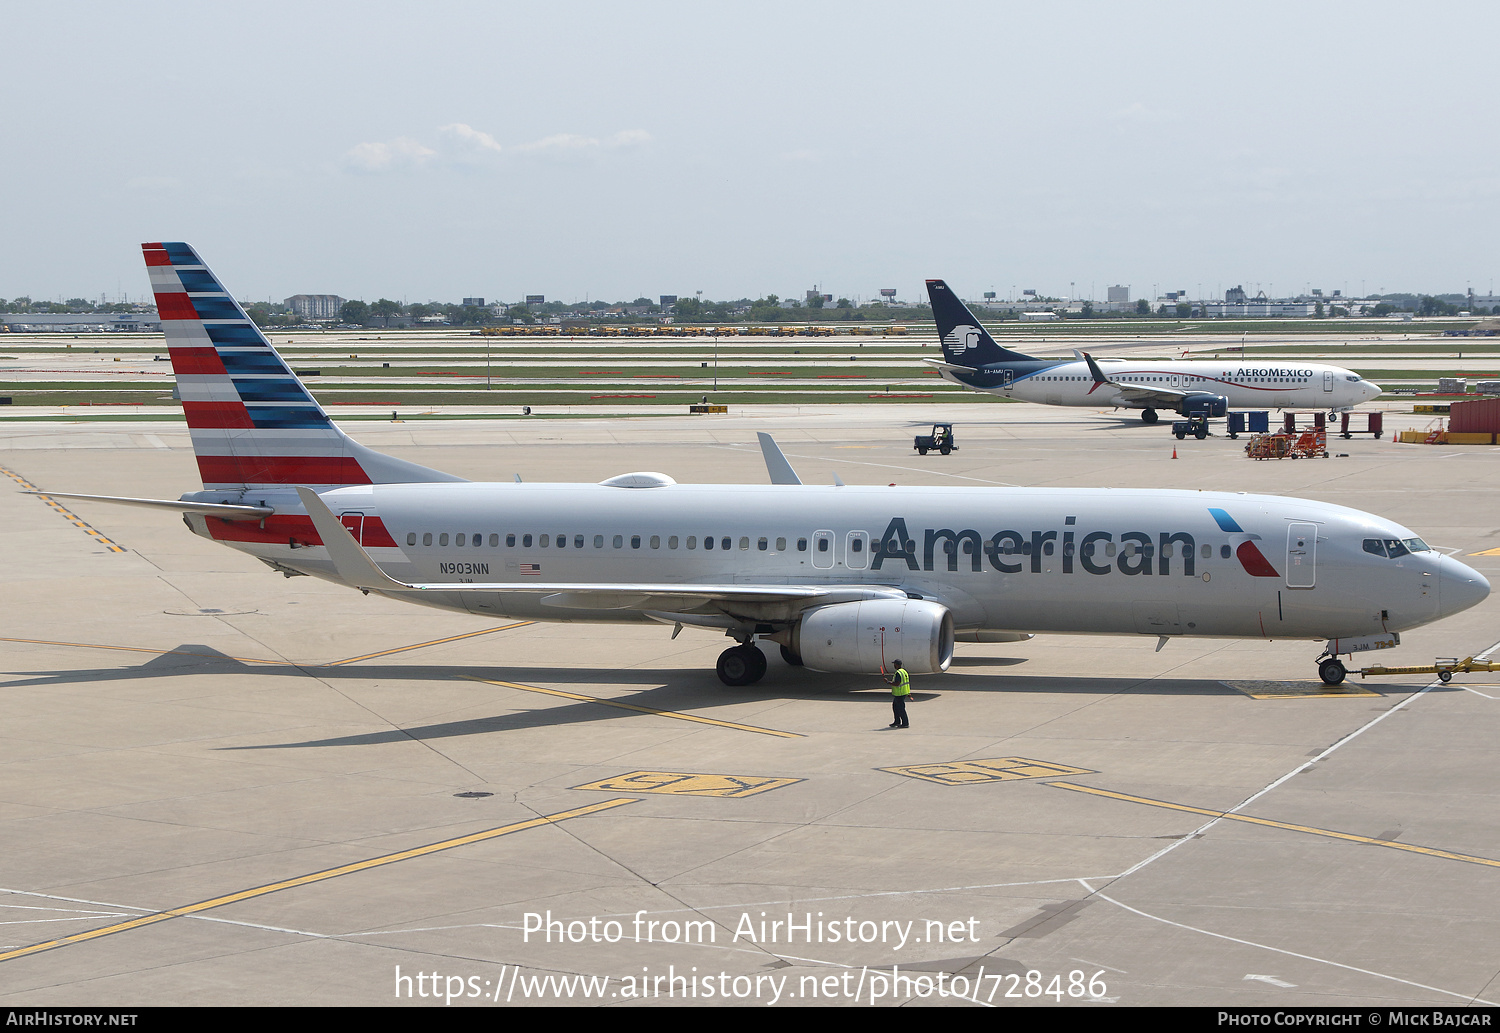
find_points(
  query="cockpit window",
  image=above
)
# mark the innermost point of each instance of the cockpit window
(1395, 548)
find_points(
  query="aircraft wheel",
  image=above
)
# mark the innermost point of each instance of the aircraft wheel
(741, 665)
(794, 659)
(1149, 416)
(1332, 671)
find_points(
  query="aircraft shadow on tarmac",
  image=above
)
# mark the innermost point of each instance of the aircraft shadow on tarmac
(672, 690)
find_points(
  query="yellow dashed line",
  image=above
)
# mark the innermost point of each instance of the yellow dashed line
(305, 880)
(1269, 823)
(72, 517)
(434, 642)
(640, 709)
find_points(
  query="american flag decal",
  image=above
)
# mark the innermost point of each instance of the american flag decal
(531, 568)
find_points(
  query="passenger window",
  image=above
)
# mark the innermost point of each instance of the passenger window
(562, 541)
(598, 541)
(744, 543)
(411, 538)
(578, 541)
(494, 541)
(656, 541)
(781, 545)
(801, 544)
(1224, 552)
(762, 545)
(476, 540)
(526, 541)
(458, 539)
(635, 541)
(1207, 551)
(822, 544)
(692, 542)
(619, 541)
(1166, 550)
(545, 539)
(858, 545)
(443, 538)
(708, 541)
(724, 543)
(1109, 548)
(427, 538)
(672, 542)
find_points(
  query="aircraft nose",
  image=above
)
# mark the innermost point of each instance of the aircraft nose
(1370, 390)
(1459, 587)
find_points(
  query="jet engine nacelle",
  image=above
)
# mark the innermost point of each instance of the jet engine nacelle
(1205, 405)
(867, 637)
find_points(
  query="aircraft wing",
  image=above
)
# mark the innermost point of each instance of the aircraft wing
(356, 569)
(1135, 394)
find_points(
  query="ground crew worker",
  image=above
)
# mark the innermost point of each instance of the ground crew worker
(900, 689)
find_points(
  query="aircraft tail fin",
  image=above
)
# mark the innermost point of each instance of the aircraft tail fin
(252, 421)
(965, 340)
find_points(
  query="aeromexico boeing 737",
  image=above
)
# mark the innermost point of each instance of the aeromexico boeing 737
(843, 578)
(1193, 387)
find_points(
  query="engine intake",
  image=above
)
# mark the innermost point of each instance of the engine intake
(868, 636)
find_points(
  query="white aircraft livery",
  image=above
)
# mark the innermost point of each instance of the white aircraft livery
(1193, 387)
(843, 578)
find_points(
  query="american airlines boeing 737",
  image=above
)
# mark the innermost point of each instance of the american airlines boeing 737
(842, 578)
(1193, 387)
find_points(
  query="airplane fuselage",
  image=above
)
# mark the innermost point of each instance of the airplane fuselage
(1001, 559)
(1246, 385)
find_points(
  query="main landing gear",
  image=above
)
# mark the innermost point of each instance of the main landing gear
(1148, 416)
(741, 665)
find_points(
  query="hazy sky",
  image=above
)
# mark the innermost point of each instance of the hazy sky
(437, 150)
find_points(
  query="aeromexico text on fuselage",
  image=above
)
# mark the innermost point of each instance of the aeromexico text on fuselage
(895, 544)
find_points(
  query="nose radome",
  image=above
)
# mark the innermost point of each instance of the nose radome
(1371, 390)
(1459, 587)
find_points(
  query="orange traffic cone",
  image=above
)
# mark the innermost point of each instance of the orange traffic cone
(1174, 451)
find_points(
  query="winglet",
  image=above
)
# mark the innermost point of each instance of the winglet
(779, 470)
(350, 561)
(1099, 377)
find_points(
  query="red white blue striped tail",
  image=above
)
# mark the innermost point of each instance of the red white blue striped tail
(252, 421)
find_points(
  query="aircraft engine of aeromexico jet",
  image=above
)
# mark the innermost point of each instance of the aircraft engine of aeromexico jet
(842, 578)
(1193, 387)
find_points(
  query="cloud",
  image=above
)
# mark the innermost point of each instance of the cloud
(564, 143)
(473, 137)
(381, 157)
(460, 144)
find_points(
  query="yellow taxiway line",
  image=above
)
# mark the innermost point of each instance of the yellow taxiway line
(305, 880)
(1269, 823)
(580, 697)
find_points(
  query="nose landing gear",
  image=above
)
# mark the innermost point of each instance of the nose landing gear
(1332, 671)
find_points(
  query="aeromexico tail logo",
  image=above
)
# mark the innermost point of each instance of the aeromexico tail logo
(961, 340)
(1251, 558)
(1093, 552)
